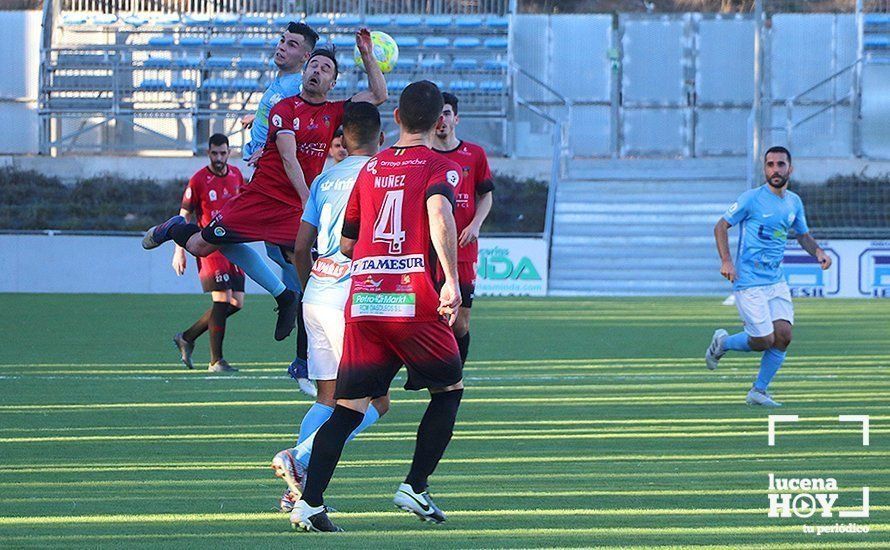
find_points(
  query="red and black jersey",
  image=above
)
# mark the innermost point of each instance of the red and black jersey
(313, 125)
(475, 181)
(392, 275)
(207, 193)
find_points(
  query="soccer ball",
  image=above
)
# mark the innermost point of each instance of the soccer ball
(386, 51)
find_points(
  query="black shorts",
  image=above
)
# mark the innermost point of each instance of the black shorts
(374, 352)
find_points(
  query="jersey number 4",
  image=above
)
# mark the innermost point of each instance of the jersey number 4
(388, 227)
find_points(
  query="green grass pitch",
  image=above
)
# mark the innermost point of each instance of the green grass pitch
(586, 423)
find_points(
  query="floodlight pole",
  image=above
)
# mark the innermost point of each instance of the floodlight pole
(757, 107)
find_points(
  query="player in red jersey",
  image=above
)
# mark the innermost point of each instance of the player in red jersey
(399, 215)
(473, 199)
(269, 208)
(208, 190)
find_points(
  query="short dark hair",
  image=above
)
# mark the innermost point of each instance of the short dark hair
(778, 149)
(218, 139)
(420, 106)
(324, 52)
(361, 124)
(306, 31)
(450, 99)
(338, 132)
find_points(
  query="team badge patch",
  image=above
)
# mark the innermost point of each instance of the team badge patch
(452, 177)
(219, 231)
(276, 120)
(212, 195)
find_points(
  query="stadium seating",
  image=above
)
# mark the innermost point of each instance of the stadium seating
(98, 61)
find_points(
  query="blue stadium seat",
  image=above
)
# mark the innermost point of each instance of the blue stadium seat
(498, 22)
(152, 84)
(397, 86)
(468, 22)
(71, 19)
(220, 62)
(283, 20)
(222, 41)
(373, 21)
(407, 42)
(274, 41)
(135, 20)
(464, 64)
(492, 86)
(167, 20)
(246, 85)
(467, 42)
(191, 41)
(876, 43)
(431, 64)
(348, 21)
(496, 64)
(183, 85)
(161, 41)
(318, 21)
(462, 86)
(255, 42)
(362, 85)
(439, 21)
(406, 62)
(217, 84)
(344, 41)
(196, 20)
(157, 62)
(225, 20)
(188, 62)
(408, 21)
(496, 43)
(254, 21)
(435, 42)
(104, 19)
(251, 63)
(877, 20)
(439, 84)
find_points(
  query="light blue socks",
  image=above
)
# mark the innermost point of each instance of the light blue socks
(737, 342)
(254, 266)
(317, 415)
(769, 365)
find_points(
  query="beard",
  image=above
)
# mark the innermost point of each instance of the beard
(777, 181)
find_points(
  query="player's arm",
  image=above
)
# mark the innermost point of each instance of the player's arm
(351, 223)
(303, 252)
(471, 231)
(287, 147)
(443, 233)
(721, 235)
(808, 243)
(376, 92)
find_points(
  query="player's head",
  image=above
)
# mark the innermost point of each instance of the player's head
(337, 150)
(320, 72)
(777, 166)
(420, 108)
(446, 126)
(297, 40)
(218, 151)
(361, 128)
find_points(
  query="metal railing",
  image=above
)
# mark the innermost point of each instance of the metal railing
(357, 7)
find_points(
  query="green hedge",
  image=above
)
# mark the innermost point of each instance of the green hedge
(29, 200)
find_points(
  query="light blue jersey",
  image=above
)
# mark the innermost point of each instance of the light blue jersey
(765, 220)
(283, 86)
(329, 283)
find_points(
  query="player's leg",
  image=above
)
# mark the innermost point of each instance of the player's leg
(782, 314)
(431, 355)
(298, 369)
(461, 327)
(217, 328)
(754, 312)
(366, 370)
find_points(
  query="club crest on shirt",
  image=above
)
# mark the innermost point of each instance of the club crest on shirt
(276, 120)
(466, 171)
(327, 120)
(188, 192)
(452, 177)
(212, 195)
(406, 279)
(791, 217)
(372, 166)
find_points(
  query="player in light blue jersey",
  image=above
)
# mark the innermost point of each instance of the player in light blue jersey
(327, 282)
(764, 216)
(297, 41)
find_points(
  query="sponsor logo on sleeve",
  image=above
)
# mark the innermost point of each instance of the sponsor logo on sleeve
(452, 177)
(276, 120)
